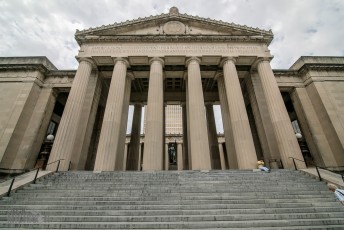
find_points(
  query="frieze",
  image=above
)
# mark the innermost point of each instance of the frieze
(171, 49)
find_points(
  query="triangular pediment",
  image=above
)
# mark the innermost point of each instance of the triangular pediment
(172, 24)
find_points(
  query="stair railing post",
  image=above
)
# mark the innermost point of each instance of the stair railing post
(316, 167)
(10, 188)
(70, 163)
(294, 163)
(34, 180)
(58, 165)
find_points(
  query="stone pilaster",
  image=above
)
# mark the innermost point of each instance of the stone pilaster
(226, 121)
(312, 130)
(243, 141)
(199, 143)
(67, 131)
(212, 136)
(36, 131)
(222, 157)
(287, 143)
(154, 134)
(180, 156)
(111, 127)
(133, 155)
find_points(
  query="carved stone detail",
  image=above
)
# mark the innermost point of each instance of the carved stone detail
(174, 27)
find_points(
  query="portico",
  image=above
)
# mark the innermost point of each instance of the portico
(205, 62)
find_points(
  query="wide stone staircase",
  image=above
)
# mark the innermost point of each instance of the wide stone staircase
(232, 199)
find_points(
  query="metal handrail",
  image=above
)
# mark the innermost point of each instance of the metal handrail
(317, 168)
(34, 180)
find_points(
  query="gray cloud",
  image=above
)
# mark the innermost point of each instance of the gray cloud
(47, 27)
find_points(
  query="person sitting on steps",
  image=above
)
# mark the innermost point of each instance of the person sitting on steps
(339, 193)
(261, 166)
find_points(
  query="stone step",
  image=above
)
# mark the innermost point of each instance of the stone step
(182, 225)
(168, 207)
(139, 212)
(23, 197)
(181, 218)
(171, 202)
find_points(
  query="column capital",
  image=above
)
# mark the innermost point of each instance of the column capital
(86, 59)
(156, 59)
(189, 60)
(260, 60)
(121, 59)
(228, 59)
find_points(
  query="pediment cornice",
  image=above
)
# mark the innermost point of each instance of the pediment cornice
(101, 33)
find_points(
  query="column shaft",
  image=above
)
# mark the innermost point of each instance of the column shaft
(111, 126)
(227, 127)
(212, 136)
(243, 141)
(180, 156)
(133, 155)
(86, 122)
(124, 122)
(167, 159)
(222, 157)
(125, 156)
(287, 143)
(66, 133)
(185, 138)
(199, 142)
(154, 137)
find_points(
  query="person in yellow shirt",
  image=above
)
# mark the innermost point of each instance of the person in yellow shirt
(261, 166)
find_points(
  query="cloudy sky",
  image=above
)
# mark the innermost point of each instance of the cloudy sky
(46, 28)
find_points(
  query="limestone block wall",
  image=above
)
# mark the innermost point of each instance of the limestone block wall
(17, 101)
(327, 98)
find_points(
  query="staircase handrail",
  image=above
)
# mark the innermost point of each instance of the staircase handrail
(317, 168)
(30, 170)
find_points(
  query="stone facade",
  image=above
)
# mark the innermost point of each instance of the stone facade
(180, 60)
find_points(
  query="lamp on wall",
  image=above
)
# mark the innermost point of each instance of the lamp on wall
(298, 135)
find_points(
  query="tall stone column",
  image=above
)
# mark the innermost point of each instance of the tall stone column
(243, 141)
(226, 121)
(199, 143)
(154, 137)
(212, 136)
(180, 156)
(140, 157)
(124, 122)
(36, 131)
(133, 155)
(125, 156)
(185, 138)
(167, 160)
(86, 123)
(287, 143)
(111, 127)
(66, 133)
(222, 157)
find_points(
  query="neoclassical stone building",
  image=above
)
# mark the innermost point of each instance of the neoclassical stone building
(180, 60)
